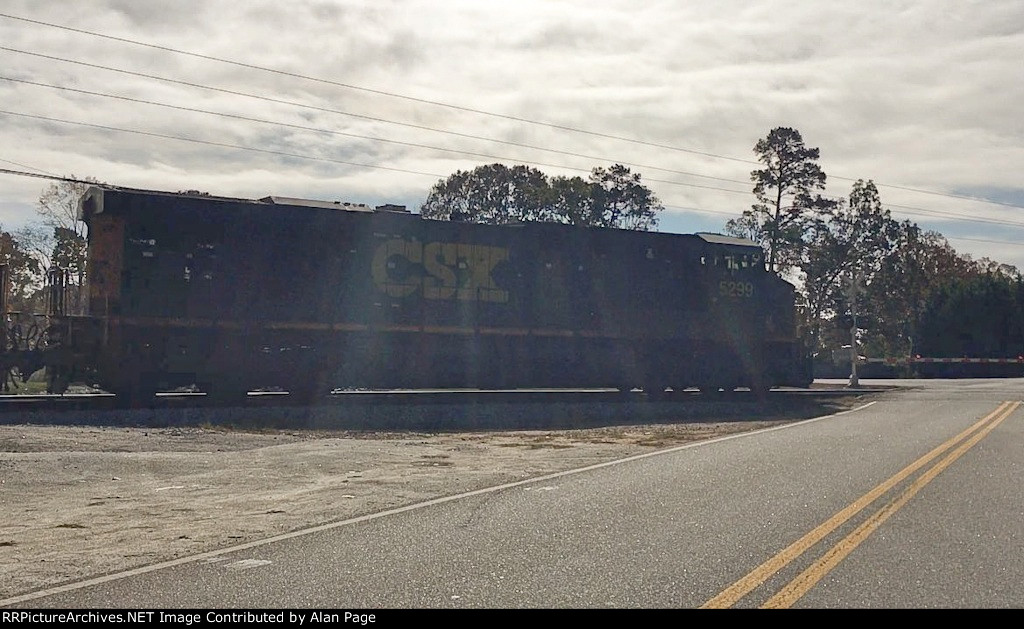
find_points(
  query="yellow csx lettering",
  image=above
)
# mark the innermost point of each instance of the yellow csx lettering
(441, 270)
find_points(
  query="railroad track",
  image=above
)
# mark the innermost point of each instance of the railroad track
(433, 409)
(16, 402)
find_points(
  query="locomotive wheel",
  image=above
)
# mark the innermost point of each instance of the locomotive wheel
(57, 379)
(656, 391)
(760, 391)
(308, 390)
(305, 395)
(224, 393)
(135, 395)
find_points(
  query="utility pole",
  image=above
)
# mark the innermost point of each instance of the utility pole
(852, 295)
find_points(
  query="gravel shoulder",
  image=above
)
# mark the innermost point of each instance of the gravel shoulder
(82, 501)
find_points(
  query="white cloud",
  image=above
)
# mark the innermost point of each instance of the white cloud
(920, 94)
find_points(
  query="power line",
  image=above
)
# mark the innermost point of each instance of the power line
(7, 171)
(346, 113)
(371, 90)
(952, 215)
(997, 242)
(355, 135)
(916, 211)
(7, 161)
(332, 160)
(919, 211)
(939, 194)
(218, 144)
(459, 107)
(20, 173)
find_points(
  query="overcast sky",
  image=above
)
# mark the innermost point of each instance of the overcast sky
(924, 97)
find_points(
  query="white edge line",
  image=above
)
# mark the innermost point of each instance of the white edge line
(382, 514)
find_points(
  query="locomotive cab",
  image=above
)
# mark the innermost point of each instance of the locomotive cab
(755, 316)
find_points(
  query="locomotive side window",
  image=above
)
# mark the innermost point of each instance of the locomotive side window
(731, 262)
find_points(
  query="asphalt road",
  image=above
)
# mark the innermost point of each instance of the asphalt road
(913, 501)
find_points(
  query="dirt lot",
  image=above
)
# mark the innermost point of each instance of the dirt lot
(78, 502)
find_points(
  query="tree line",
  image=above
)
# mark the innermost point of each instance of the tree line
(56, 239)
(498, 194)
(914, 294)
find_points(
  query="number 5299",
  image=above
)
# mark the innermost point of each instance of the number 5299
(735, 289)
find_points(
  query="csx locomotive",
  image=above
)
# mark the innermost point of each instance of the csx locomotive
(232, 295)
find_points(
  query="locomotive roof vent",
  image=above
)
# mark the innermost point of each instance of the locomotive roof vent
(391, 207)
(331, 205)
(722, 239)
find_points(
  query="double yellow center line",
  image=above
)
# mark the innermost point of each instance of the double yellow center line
(952, 449)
